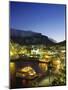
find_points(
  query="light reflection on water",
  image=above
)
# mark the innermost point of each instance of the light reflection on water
(18, 80)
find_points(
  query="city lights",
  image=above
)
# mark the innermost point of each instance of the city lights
(51, 61)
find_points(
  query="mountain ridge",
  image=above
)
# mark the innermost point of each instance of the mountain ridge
(30, 37)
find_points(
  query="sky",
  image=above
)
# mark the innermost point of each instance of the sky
(48, 19)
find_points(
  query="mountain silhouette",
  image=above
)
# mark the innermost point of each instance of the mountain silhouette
(29, 37)
(62, 43)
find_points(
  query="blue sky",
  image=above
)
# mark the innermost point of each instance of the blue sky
(48, 19)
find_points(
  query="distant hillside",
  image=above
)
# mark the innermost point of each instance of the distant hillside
(62, 43)
(29, 37)
(22, 33)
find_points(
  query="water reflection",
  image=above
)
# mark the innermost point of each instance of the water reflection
(25, 74)
(22, 76)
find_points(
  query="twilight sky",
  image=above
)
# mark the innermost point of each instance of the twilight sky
(48, 19)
